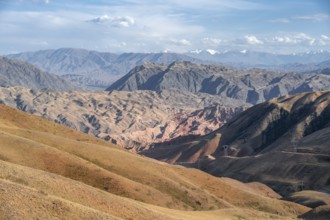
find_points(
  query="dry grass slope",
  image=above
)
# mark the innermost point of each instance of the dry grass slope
(47, 169)
(310, 198)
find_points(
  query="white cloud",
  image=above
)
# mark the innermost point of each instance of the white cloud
(281, 43)
(324, 40)
(35, 20)
(125, 21)
(177, 26)
(26, 1)
(325, 37)
(216, 4)
(153, 32)
(280, 20)
(29, 1)
(211, 41)
(283, 39)
(303, 38)
(181, 42)
(120, 44)
(40, 43)
(315, 17)
(298, 38)
(251, 39)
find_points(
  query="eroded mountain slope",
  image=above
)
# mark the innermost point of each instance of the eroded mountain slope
(283, 142)
(133, 119)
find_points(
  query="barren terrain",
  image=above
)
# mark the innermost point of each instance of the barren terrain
(50, 171)
(133, 120)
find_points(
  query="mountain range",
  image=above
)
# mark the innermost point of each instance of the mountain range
(18, 73)
(98, 70)
(252, 59)
(92, 69)
(250, 86)
(318, 68)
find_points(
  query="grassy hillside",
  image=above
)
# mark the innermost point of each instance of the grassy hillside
(47, 171)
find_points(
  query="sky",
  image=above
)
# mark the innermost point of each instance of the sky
(275, 26)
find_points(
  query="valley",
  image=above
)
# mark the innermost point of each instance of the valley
(51, 171)
(178, 140)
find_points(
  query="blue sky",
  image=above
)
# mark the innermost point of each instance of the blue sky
(281, 26)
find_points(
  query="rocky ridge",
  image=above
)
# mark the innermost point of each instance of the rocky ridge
(250, 86)
(91, 69)
(283, 142)
(18, 73)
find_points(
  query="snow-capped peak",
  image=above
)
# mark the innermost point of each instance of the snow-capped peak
(196, 51)
(212, 52)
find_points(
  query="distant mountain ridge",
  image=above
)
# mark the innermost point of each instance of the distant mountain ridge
(18, 73)
(98, 70)
(251, 86)
(95, 70)
(246, 58)
(318, 68)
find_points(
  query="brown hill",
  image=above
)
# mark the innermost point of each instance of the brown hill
(50, 171)
(283, 142)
